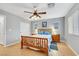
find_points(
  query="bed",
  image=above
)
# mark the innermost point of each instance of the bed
(41, 41)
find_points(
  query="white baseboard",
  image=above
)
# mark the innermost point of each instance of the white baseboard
(2, 43)
(12, 44)
(71, 48)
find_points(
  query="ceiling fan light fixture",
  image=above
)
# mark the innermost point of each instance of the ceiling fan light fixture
(35, 17)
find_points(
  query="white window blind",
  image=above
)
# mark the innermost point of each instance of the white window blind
(70, 24)
(73, 23)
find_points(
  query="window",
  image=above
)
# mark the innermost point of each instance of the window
(73, 23)
(70, 24)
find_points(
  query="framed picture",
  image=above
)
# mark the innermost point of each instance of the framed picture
(44, 24)
(35, 25)
(56, 26)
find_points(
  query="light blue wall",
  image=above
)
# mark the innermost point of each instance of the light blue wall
(73, 40)
(50, 24)
(12, 27)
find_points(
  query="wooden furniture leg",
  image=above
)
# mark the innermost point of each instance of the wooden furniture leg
(21, 43)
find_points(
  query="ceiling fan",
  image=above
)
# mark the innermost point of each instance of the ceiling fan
(35, 13)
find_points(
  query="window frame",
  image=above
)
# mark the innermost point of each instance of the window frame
(72, 17)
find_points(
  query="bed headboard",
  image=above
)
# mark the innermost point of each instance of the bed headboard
(44, 31)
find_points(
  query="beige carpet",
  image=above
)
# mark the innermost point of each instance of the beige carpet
(63, 50)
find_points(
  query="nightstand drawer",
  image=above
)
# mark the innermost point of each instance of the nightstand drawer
(56, 38)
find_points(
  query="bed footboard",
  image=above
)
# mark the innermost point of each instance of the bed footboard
(35, 42)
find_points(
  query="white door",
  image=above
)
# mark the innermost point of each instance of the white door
(1, 29)
(25, 29)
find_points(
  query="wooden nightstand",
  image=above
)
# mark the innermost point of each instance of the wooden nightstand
(56, 38)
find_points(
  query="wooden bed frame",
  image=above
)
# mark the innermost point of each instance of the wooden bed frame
(35, 42)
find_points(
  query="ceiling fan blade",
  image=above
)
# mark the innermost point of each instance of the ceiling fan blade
(28, 12)
(31, 16)
(38, 16)
(42, 13)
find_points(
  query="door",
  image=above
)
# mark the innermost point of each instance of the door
(1, 29)
(25, 29)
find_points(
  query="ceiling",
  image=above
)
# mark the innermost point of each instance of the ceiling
(59, 10)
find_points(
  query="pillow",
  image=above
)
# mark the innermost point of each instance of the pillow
(44, 33)
(41, 33)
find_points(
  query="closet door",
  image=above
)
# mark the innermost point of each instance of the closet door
(25, 29)
(2, 29)
(0, 34)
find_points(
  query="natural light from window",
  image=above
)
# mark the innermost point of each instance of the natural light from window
(73, 23)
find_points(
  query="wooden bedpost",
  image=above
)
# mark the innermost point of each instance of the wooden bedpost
(21, 42)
